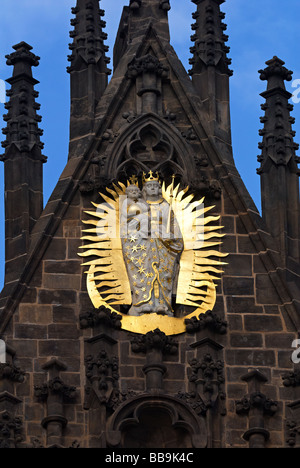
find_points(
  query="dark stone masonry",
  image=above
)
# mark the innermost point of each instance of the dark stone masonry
(73, 377)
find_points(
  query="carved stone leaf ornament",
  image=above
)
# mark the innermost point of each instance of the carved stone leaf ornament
(168, 246)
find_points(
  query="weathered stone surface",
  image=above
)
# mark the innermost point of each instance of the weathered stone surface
(57, 297)
(246, 340)
(62, 314)
(243, 305)
(32, 332)
(239, 265)
(35, 314)
(68, 348)
(238, 286)
(263, 322)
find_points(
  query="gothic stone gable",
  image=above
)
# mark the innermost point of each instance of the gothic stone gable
(87, 379)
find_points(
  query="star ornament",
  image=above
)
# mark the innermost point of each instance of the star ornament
(140, 261)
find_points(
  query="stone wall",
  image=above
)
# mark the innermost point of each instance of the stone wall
(47, 324)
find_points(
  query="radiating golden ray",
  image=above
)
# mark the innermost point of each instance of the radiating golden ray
(212, 228)
(120, 191)
(212, 234)
(113, 193)
(110, 284)
(210, 219)
(106, 252)
(110, 201)
(94, 238)
(196, 264)
(209, 269)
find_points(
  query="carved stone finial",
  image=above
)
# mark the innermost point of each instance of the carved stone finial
(208, 375)
(259, 401)
(55, 386)
(146, 64)
(208, 320)
(279, 162)
(88, 69)
(23, 158)
(291, 379)
(208, 378)
(155, 340)
(257, 406)
(209, 49)
(55, 393)
(276, 68)
(103, 315)
(22, 54)
(148, 87)
(10, 430)
(154, 344)
(293, 432)
(88, 46)
(11, 372)
(278, 146)
(102, 372)
(22, 130)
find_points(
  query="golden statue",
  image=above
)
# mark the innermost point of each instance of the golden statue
(148, 246)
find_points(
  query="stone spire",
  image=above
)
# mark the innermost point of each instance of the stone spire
(23, 159)
(210, 65)
(279, 164)
(135, 20)
(88, 70)
(210, 48)
(22, 131)
(88, 46)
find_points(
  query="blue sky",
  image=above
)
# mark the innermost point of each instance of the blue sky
(258, 30)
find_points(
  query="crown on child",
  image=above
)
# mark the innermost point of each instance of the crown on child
(133, 181)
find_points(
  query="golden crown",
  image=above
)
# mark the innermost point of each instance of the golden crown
(151, 177)
(133, 181)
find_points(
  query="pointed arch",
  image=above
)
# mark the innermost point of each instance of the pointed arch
(136, 418)
(151, 143)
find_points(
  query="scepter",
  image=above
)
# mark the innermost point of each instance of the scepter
(171, 204)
